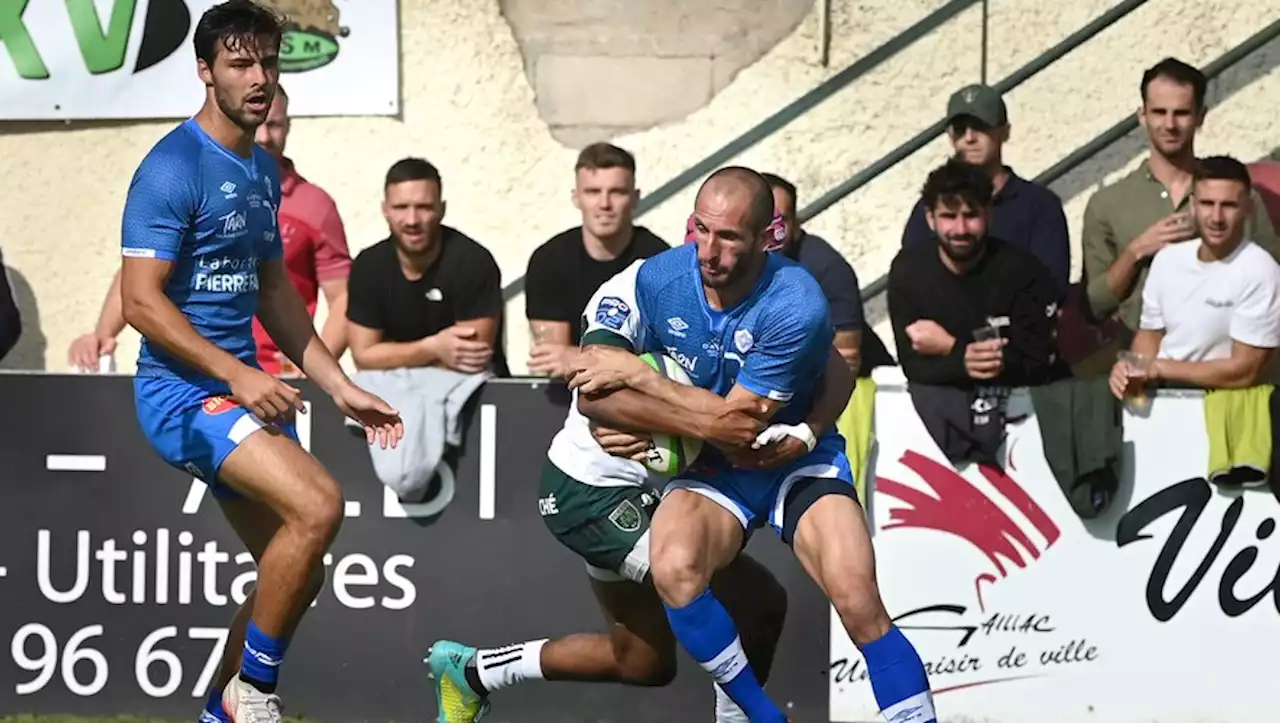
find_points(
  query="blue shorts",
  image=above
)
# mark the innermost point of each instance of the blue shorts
(777, 496)
(192, 429)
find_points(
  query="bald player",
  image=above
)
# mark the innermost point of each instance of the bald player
(755, 334)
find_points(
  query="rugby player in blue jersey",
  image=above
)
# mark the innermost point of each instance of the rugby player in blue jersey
(202, 254)
(753, 328)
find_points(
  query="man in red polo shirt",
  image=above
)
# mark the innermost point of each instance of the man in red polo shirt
(315, 255)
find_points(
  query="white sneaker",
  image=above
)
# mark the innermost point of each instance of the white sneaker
(244, 703)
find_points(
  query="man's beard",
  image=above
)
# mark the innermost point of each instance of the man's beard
(962, 255)
(244, 120)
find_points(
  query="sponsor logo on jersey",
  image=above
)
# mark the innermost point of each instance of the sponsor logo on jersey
(612, 312)
(229, 190)
(677, 326)
(234, 224)
(689, 363)
(219, 404)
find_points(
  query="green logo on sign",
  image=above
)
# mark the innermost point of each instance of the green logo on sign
(311, 33)
(163, 30)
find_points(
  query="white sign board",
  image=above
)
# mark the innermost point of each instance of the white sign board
(115, 59)
(1163, 611)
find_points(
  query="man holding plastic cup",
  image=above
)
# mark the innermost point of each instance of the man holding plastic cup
(1210, 308)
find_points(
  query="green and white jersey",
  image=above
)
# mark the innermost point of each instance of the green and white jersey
(574, 450)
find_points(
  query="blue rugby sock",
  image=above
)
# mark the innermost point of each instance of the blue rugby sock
(213, 712)
(705, 629)
(263, 654)
(898, 679)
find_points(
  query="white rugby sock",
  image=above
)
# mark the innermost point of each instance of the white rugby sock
(503, 667)
(726, 710)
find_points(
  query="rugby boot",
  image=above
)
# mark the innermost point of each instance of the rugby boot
(457, 700)
(244, 703)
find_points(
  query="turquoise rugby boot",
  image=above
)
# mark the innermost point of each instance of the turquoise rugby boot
(457, 701)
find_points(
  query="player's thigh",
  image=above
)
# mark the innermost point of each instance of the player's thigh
(269, 466)
(253, 522)
(832, 543)
(694, 534)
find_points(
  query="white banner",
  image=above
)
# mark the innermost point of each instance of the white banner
(113, 59)
(1165, 610)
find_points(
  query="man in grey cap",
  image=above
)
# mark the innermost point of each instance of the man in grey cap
(1024, 214)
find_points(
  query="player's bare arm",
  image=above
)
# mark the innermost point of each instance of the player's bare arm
(465, 347)
(334, 333)
(149, 310)
(285, 318)
(779, 444)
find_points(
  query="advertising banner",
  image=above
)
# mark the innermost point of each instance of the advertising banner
(117, 59)
(1162, 610)
(119, 576)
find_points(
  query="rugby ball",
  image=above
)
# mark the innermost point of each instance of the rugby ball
(669, 456)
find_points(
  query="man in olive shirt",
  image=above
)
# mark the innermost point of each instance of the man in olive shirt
(1126, 223)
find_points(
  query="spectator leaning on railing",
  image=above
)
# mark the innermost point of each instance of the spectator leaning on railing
(972, 316)
(1129, 221)
(427, 295)
(1210, 308)
(971, 308)
(565, 271)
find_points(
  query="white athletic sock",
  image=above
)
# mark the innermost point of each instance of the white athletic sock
(500, 668)
(726, 710)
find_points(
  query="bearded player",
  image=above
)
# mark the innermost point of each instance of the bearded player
(596, 498)
(768, 319)
(202, 253)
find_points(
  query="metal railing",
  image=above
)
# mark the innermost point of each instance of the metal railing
(925, 137)
(1113, 134)
(788, 113)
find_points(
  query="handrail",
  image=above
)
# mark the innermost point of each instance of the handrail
(787, 114)
(1130, 123)
(1121, 129)
(923, 138)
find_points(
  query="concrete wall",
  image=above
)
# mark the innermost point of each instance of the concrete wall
(469, 106)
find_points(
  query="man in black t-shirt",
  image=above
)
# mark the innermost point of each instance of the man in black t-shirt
(427, 295)
(971, 310)
(564, 272)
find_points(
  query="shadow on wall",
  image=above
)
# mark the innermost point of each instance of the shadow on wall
(646, 63)
(1090, 174)
(29, 352)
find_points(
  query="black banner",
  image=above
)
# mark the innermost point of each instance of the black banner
(118, 575)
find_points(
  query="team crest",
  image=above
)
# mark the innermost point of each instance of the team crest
(218, 405)
(625, 517)
(743, 340)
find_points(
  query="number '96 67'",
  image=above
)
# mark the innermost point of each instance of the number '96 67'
(84, 669)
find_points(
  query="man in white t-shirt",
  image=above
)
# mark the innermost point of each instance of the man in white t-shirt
(1211, 307)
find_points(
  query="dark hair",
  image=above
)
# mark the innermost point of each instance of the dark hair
(411, 169)
(232, 24)
(776, 181)
(1180, 73)
(760, 214)
(1223, 168)
(956, 181)
(599, 156)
